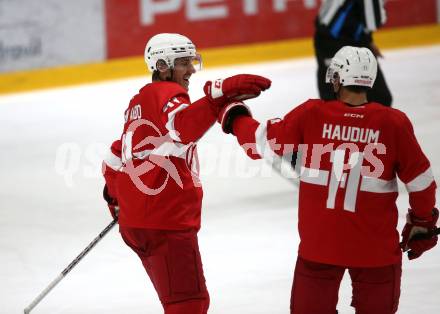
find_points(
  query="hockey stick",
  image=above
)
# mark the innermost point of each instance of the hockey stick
(63, 274)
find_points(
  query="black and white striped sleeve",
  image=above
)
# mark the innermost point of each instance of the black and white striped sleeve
(375, 14)
(341, 12)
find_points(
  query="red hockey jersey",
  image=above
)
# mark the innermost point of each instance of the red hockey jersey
(153, 169)
(348, 188)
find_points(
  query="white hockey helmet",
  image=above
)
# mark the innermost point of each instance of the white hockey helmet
(168, 47)
(354, 65)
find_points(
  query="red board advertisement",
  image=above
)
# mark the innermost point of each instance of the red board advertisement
(411, 12)
(217, 23)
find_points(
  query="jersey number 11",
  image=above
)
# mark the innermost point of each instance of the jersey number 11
(338, 178)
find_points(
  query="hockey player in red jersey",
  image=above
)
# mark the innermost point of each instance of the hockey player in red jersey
(353, 150)
(152, 171)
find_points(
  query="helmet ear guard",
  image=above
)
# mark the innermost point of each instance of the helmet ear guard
(162, 66)
(355, 67)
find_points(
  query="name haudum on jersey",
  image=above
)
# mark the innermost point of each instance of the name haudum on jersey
(350, 133)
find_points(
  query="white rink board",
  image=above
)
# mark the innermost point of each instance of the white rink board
(46, 33)
(248, 239)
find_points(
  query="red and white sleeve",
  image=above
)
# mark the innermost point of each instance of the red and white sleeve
(188, 122)
(110, 166)
(414, 169)
(279, 136)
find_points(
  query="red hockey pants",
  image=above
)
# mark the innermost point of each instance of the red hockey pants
(315, 288)
(173, 263)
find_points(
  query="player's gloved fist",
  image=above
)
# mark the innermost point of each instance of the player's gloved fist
(229, 112)
(418, 234)
(112, 203)
(235, 88)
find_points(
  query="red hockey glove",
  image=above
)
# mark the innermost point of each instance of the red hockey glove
(412, 240)
(229, 112)
(112, 203)
(235, 88)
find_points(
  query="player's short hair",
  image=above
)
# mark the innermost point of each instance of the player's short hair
(155, 76)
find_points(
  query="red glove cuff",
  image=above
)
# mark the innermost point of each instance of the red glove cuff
(229, 112)
(428, 222)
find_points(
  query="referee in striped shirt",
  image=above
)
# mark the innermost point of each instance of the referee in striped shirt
(349, 23)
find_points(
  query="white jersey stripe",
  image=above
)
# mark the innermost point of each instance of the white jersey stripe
(166, 149)
(368, 184)
(112, 160)
(170, 124)
(376, 185)
(421, 182)
(261, 139)
(314, 176)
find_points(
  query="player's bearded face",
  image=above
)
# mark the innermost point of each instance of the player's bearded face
(183, 69)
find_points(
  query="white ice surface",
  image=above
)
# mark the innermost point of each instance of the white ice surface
(51, 206)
